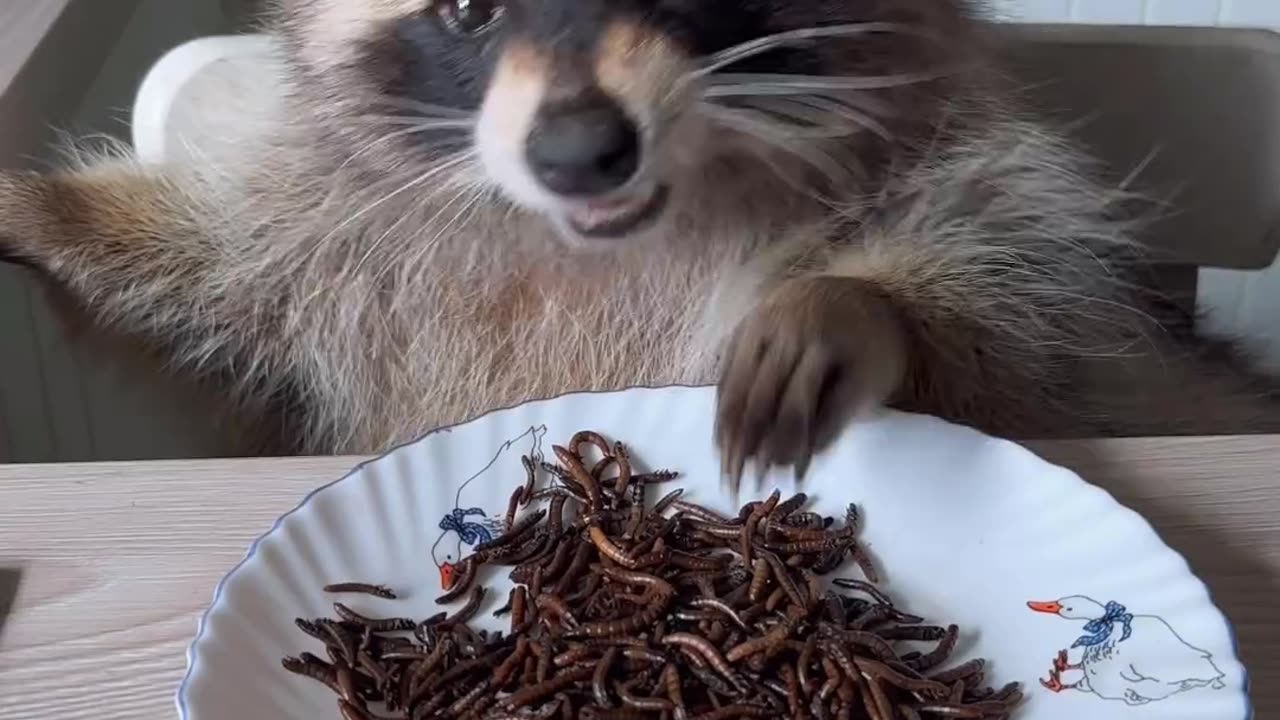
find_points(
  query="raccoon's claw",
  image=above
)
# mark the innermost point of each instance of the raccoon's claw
(772, 410)
(798, 368)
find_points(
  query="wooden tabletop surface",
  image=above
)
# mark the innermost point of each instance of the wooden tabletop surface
(121, 559)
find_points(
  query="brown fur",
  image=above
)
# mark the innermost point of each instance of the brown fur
(971, 270)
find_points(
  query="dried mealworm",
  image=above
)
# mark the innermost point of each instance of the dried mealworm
(608, 628)
(608, 549)
(514, 533)
(468, 611)
(573, 655)
(791, 504)
(312, 629)
(624, 468)
(316, 671)
(784, 579)
(590, 437)
(864, 563)
(701, 512)
(530, 480)
(761, 643)
(721, 607)
(559, 561)
(759, 578)
(864, 587)
(547, 688)
(687, 615)
(381, 591)
(557, 607)
(708, 651)
(972, 667)
(938, 655)
(667, 500)
(643, 704)
(513, 506)
(351, 712)
(599, 675)
(374, 624)
(556, 522)
(920, 633)
(573, 464)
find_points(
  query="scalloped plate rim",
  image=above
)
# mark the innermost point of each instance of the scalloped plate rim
(1142, 523)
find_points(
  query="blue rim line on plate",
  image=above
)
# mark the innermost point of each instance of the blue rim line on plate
(181, 699)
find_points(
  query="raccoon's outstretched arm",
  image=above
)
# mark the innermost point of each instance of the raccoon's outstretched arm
(119, 239)
(975, 292)
(122, 246)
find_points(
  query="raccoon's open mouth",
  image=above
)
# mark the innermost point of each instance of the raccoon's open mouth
(617, 215)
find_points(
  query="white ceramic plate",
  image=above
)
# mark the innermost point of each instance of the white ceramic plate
(966, 529)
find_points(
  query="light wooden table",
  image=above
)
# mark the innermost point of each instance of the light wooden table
(122, 558)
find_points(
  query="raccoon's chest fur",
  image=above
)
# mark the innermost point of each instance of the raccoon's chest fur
(378, 315)
(500, 312)
(476, 343)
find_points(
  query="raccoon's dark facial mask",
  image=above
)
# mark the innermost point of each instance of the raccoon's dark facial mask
(594, 112)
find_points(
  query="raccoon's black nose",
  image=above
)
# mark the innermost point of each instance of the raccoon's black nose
(583, 146)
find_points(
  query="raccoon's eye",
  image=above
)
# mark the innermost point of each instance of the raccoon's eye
(468, 17)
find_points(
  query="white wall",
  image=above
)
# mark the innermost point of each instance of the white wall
(1165, 12)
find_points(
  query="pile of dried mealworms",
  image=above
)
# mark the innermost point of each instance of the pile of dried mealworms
(672, 611)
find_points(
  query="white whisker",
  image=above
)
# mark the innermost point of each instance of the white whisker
(419, 128)
(731, 84)
(783, 122)
(477, 193)
(373, 247)
(820, 112)
(435, 170)
(789, 38)
(865, 103)
(426, 247)
(420, 120)
(782, 138)
(426, 108)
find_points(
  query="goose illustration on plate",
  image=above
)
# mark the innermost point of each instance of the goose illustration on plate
(470, 521)
(1136, 659)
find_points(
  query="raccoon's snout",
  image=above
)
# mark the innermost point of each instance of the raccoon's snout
(584, 138)
(583, 146)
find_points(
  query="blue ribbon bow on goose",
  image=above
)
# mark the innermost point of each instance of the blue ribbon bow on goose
(1100, 629)
(472, 533)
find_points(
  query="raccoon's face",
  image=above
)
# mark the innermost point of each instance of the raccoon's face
(597, 113)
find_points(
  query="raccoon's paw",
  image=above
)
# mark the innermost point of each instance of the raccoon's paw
(799, 367)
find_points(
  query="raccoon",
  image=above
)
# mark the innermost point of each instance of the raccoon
(821, 206)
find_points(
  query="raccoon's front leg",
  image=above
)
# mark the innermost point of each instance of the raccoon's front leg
(122, 250)
(101, 230)
(813, 354)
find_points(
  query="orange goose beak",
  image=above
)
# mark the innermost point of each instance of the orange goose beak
(446, 576)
